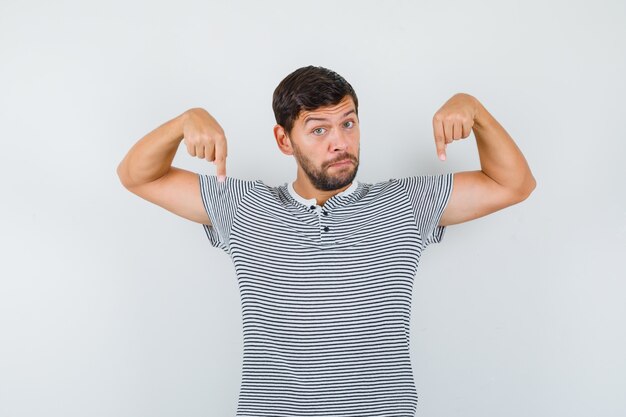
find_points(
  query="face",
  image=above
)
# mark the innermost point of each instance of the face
(320, 138)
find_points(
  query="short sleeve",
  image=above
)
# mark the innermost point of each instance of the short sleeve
(221, 201)
(429, 196)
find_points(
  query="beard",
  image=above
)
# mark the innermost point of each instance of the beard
(321, 178)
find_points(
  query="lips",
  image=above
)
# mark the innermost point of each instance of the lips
(342, 162)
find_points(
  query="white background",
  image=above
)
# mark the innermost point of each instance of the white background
(112, 306)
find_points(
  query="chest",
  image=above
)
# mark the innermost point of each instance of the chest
(380, 235)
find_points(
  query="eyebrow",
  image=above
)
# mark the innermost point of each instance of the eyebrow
(321, 119)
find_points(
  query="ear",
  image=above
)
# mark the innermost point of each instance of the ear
(282, 140)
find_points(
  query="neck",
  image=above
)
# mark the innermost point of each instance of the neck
(303, 187)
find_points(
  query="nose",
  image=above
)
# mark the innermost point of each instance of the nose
(339, 140)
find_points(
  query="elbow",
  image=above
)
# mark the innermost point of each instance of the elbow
(525, 190)
(121, 175)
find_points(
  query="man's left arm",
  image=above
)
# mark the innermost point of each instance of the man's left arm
(504, 178)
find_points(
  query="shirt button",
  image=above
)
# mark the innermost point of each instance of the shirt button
(312, 207)
(325, 213)
(326, 228)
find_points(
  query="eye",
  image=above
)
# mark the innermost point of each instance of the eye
(349, 124)
(318, 131)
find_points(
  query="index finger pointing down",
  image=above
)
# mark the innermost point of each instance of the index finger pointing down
(220, 159)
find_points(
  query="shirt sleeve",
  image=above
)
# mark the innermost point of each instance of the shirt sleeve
(221, 201)
(429, 196)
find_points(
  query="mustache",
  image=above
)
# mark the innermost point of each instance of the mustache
(341, 158)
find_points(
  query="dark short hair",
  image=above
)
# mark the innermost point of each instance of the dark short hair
(309, 88)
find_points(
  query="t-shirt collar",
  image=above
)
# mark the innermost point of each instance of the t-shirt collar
(313, 201)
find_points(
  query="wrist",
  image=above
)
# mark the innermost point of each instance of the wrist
(481, 115)
(184, 117)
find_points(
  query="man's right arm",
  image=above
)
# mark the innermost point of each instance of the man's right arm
(147, 172)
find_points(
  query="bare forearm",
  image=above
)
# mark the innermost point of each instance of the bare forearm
(500, 158)
(151, 157)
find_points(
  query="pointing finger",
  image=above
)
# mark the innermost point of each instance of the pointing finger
(220, 159)
(221, 169)
(439, 138)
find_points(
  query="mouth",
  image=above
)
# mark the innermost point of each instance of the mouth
(341, 163)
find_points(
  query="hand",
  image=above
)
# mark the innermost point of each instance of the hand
(205, 139)
(454, 121)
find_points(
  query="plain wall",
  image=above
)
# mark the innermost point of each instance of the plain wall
(112, 306)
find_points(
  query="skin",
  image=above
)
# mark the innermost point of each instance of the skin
(318, 140)
(503, 180)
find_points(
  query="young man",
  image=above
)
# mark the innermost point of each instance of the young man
(325, 263)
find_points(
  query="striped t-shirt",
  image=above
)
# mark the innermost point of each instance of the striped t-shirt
(326, 291)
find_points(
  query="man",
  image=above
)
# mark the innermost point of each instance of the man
(325, 264)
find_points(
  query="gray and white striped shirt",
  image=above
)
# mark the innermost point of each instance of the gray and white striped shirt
(326, 291)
